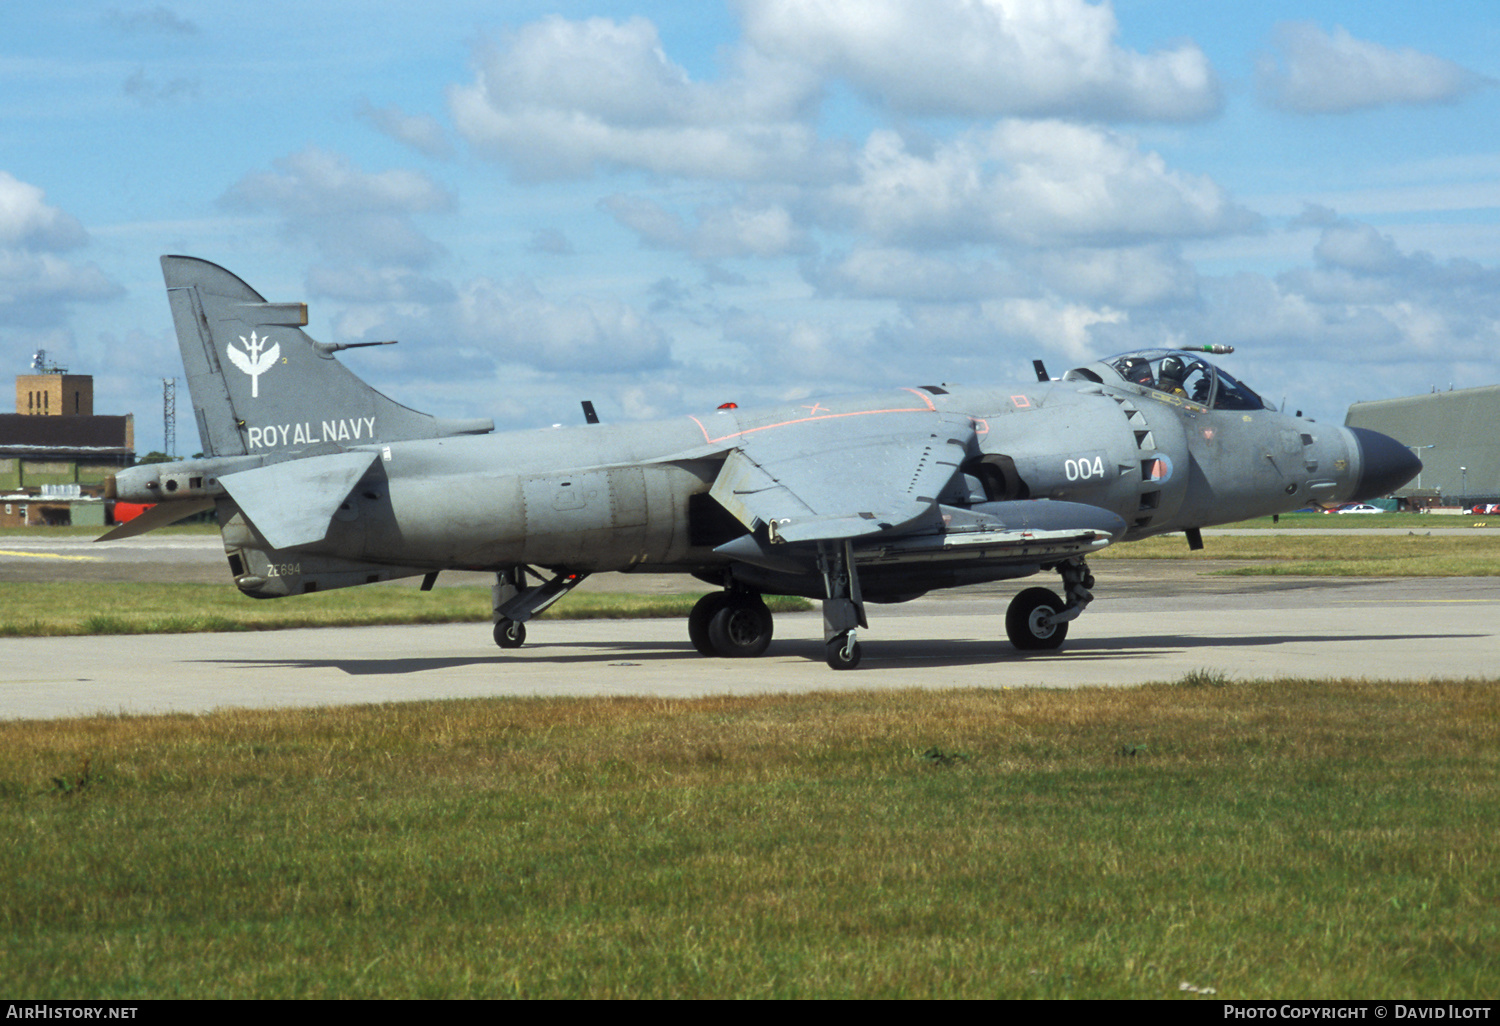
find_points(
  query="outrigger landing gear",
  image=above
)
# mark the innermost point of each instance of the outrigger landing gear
(1038, 618)
(844, 606)
(733, 623)
(843, 651)
(509, 634)
(515, 602)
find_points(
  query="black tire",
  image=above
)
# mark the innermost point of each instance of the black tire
(741, 629)
(843, 654)
(1022, 620)
(509, 634)
(699, 618)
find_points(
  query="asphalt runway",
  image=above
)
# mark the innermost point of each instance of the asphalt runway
(1153, 620)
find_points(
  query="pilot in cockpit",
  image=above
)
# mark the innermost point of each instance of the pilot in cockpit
(1137, 371)
(1170, 376)
(1181, 374)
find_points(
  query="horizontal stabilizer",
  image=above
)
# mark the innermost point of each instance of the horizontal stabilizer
(163, 514)
(292, 503)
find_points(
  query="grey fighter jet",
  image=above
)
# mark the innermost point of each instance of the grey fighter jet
(318, 481)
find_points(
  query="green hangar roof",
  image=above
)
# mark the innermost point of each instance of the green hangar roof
(1456, 435)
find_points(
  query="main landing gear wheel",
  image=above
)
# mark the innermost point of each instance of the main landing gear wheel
(736, 625)
(698, 620)
(741, 629)
(509, 634)
(1025, 620)
(843, 652)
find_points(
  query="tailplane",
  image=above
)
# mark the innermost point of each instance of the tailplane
(260, 385)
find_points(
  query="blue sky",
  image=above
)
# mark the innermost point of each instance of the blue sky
(660, 207)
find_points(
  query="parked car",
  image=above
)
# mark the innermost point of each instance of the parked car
(1361, 507)
(1486, 509)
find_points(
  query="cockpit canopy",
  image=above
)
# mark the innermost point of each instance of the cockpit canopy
(1174, 372)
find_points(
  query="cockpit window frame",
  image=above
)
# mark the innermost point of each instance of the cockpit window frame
(1176, 372)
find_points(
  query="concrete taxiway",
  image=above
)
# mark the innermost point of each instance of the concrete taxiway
(1152, 621)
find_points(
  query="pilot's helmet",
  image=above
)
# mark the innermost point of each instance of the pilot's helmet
(1172, 369)
(1136, 370)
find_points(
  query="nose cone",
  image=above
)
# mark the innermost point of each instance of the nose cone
(1384, 465)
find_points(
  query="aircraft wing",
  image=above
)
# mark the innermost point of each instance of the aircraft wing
(841, 477)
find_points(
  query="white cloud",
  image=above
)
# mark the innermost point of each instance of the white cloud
(1357, 265)
(561, 99)
(883, 272)
(153, 20)
(27, 219)
(34, 285)
(37, 284)
(517, 324)
(421, 132)
(987, 58)
(549, 241)
(377, 285)
(722, 231)
(1313, 72)
(1346, 325)
(1032, 183)
(1358, 247)
(148, 92)
(1126, 277)
(799, 352)
(349, 214)
(993, 339)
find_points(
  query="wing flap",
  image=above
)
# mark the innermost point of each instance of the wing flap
(753, 495)
(807, 483)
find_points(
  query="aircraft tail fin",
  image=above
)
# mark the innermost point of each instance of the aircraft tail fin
(260, 385)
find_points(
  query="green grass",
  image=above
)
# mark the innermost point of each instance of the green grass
(1401, 555)
(1286, 839)
(85, 608)
(1418, 522)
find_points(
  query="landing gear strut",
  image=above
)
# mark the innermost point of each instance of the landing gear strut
(1038, 618)
(844, 606)
(515, 602)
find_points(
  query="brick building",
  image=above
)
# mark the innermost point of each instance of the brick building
(55, 452)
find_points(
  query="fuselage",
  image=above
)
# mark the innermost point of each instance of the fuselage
(633, 497)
